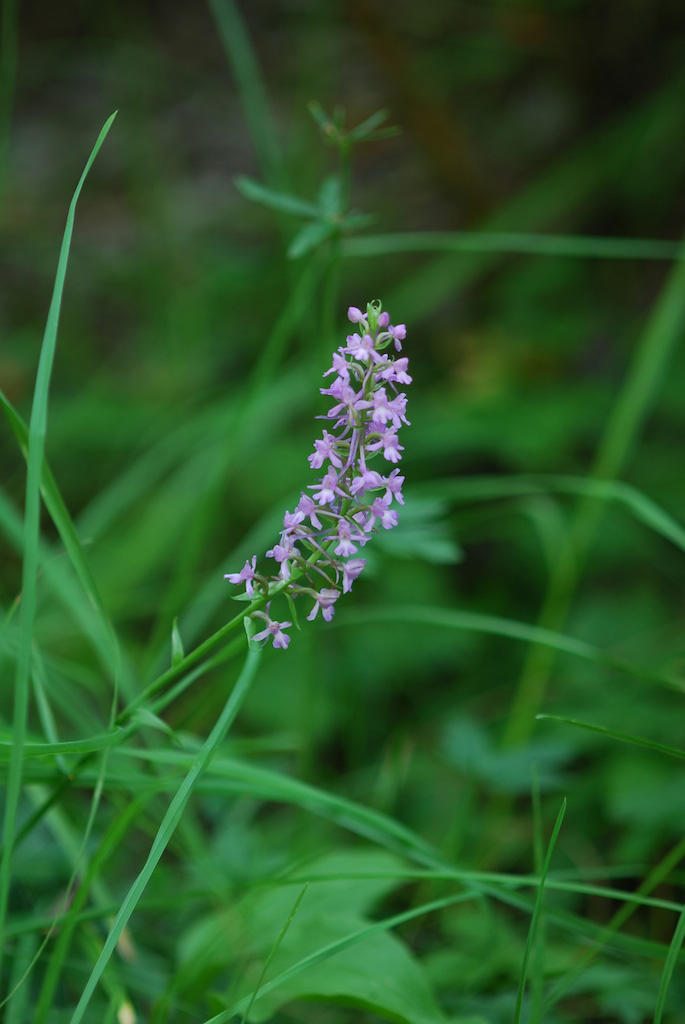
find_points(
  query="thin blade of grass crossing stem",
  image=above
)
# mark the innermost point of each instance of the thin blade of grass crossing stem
(168, 826)
(36, 446)
(536, 914)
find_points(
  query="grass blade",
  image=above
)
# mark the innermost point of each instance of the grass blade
(240, 52)
(536, 914)
(512, 242)
(274, 949)
(89, 745)
(168, 826)
(669, 967)
(624, 737)
(495, 625)
(36, 446)
(491, 488)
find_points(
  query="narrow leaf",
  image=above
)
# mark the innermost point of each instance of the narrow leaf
(36, 446)
(536, 914)
(624, 737)
(168, 827)
(282, 201)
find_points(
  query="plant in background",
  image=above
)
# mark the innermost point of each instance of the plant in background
(351, 501)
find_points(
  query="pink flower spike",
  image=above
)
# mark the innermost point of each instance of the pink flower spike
(362, 348)
(368, 480)
(282, 551)
(316, 553)
(390, 445)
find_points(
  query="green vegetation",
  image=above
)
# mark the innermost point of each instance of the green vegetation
(461, 800)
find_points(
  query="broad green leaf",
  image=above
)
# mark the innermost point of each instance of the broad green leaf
(494, 625)
(468, 747)
(374, 972)
(377, 974)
